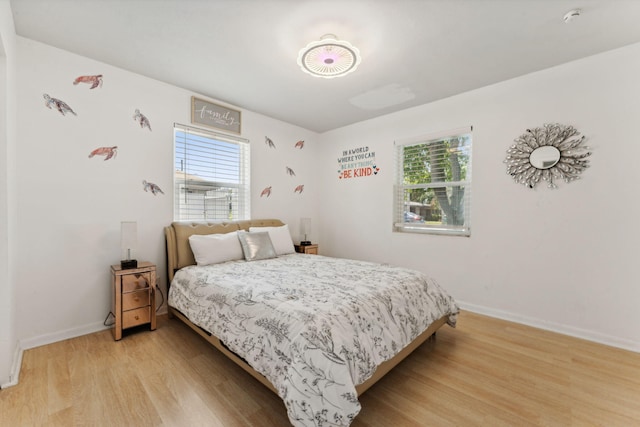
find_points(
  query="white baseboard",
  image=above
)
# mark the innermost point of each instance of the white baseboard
(554, 327)
(51, 338)
(15, 368)
(44, 340)
(62, 335)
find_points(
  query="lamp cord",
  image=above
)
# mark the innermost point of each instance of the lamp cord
(107, 318)
(162, 295)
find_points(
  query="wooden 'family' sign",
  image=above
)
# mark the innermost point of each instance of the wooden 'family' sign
(213, 115)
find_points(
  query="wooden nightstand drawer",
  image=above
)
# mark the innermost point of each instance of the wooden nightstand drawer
(136, 299)
(307, 249)
(132, 282)
(135, 317)
(313, 250)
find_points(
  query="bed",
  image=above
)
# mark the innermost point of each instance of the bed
(318, 331)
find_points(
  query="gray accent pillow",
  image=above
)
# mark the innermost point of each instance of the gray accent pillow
(256, 245)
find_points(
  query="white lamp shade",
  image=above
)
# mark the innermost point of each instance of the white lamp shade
(128, 236)
(305, 227)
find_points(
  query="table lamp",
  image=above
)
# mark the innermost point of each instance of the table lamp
(305, 230)
(128, 242)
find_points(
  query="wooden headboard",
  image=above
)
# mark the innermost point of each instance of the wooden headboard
(177, 237)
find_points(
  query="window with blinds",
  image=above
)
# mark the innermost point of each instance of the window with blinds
(433, 185)
(211, 175)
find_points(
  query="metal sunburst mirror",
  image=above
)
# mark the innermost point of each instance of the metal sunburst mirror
(550, 152)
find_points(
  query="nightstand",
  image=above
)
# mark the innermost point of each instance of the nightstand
(134, 297)
(307, 249)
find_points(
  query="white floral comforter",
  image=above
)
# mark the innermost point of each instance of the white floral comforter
(314, 326)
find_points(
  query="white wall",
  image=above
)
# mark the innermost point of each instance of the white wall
(269, 170)
(8, 341)
(561, 259)
(70, 206)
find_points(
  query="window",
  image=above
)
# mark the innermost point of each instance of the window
(433, 187)
(211, 175)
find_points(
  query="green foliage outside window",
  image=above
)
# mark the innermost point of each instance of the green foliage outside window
(436, 175)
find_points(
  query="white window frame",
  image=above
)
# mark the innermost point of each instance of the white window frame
(401, 205)
(210, 185)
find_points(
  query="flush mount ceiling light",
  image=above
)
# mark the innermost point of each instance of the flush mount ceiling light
(329, 57)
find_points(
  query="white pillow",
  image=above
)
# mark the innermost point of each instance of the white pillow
(215, 248)
(280, 238)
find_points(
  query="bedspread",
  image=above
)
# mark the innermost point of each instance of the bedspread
(314, 326)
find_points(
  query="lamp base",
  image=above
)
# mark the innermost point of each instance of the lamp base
(305, 243)
(128, 264)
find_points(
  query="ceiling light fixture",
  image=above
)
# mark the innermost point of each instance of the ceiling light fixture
(329, 57)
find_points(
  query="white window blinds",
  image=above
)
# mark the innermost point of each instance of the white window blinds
(433, 184)
(211, 175)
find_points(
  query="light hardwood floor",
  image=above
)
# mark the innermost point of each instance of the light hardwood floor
(486, 372)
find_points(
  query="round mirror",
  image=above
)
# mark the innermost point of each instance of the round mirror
(529, 163)
(544, 157)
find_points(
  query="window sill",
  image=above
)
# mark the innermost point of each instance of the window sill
(429, 229)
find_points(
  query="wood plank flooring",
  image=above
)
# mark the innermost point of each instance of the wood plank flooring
(486, 372)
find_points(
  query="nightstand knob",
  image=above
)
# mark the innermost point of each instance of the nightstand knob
(137, 317)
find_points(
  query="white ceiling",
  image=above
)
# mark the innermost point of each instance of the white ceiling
(244, 52)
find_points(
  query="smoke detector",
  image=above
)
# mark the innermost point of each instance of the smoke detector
(329, 57)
